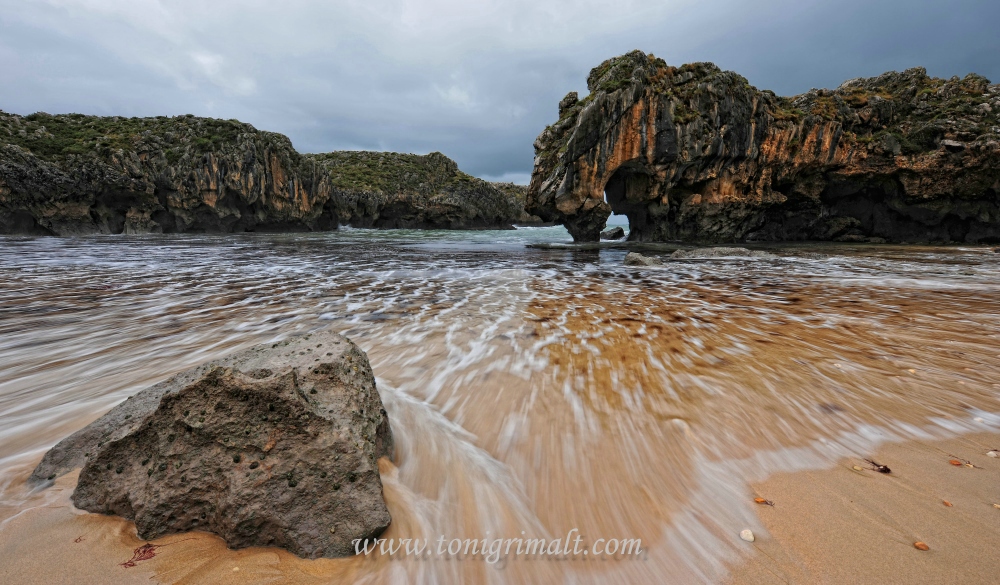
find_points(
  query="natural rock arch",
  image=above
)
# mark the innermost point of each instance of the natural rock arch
(627, 192)
(695, 153)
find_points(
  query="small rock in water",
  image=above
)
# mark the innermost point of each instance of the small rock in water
(979, 419)
(613, 233)
(637, 259)
(747, 535)
(921, 546)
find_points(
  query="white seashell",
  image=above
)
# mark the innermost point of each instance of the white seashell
(993, 454)
(747, 535)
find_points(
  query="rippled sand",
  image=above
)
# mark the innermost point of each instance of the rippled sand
(529, 390)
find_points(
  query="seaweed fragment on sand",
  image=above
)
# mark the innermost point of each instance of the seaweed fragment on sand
(142, 553)
(878, 466)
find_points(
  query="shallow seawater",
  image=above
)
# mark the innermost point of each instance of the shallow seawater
(530, 390)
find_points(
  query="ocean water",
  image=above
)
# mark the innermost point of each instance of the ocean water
(533, 386)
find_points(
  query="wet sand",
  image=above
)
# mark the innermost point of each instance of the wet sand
(528, 390)
(835, 525)
(50, 541)
(841, 525)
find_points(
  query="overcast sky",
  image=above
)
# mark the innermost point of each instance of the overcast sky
(476, 80)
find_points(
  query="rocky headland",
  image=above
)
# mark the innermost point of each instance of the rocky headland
(74, 174)
(694, 153)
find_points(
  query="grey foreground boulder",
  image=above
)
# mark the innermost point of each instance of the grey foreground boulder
(613, 233)
(276, 445)
(720, 252)
(637, 259)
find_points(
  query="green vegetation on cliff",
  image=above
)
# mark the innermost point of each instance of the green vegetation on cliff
(419, 186)
(694, 152)
(392, 171)
(52, 138)
(913, 108)
(72, 173)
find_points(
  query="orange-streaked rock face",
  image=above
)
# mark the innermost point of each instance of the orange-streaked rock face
(696, 153)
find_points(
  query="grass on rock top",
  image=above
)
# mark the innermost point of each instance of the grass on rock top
(51, 137)
(390, 172)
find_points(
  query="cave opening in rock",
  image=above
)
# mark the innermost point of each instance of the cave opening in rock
(615, 221)
(627, 191)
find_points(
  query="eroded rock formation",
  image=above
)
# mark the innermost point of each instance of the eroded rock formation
(275, 445)
(696, 153)
(74, 174)
(392, 190)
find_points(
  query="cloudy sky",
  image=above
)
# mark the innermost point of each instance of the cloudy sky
(475, 79)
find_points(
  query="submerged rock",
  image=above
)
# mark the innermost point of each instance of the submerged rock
(276, 445)
(614, 233)
(695, 153)
(721, 252)
(637, 259)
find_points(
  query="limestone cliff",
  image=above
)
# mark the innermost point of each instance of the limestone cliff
(74, 174)
(696, 153)
(393, 190)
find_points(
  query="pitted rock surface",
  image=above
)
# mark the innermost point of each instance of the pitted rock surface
(276, 445)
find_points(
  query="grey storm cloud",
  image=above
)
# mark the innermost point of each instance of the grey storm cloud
(477, 80)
